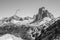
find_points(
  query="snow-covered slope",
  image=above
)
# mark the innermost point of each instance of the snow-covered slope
(41, 20)
(37, 20)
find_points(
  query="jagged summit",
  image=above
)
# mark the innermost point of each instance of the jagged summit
(42, 16)
(16, 19)
(42, 13)
(32, 27)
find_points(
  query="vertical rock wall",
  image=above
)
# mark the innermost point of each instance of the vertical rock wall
(42, 13)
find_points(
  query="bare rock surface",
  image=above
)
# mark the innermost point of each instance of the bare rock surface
(27, 28)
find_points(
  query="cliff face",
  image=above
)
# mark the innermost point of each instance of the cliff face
(41, 27)
(42, 13)
(51, 33)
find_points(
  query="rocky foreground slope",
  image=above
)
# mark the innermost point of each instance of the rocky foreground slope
(43, 26)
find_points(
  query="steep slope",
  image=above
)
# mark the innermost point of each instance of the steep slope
(41, 27)
(42, 13)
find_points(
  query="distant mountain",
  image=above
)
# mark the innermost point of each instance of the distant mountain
(42, 13)
(41, 26)
(16, 19)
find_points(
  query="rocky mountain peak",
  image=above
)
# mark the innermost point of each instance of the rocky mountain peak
(42, 13)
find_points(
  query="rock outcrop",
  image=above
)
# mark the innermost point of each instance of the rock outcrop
(42, 13)
(41, 27)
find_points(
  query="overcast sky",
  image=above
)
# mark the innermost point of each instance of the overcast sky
(28, 7)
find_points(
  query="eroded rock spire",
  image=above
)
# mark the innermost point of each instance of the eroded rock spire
(42, 13)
